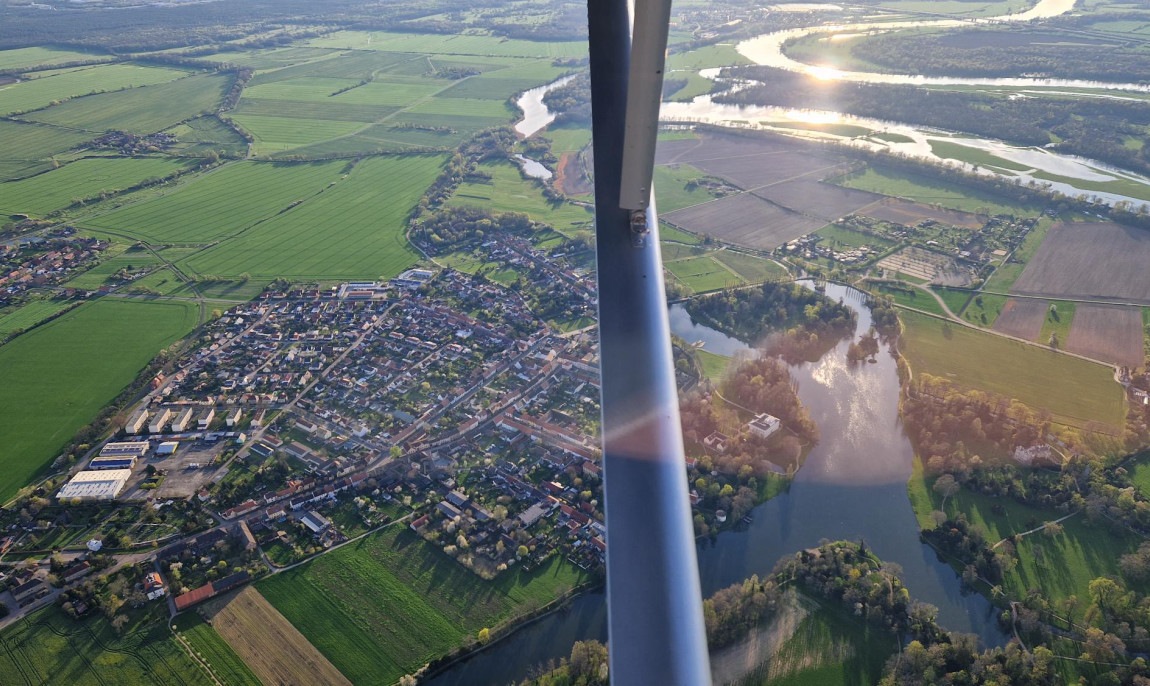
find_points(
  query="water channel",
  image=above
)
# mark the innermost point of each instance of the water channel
(535, 113)
(852, 485)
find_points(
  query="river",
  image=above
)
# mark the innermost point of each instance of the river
(852, 485)
(535, 113)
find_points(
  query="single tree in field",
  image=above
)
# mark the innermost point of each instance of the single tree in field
(1051, 529)
(946, 486)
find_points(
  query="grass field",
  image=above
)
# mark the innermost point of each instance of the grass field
(274, 134)
(702, 274)
(1139, 469)
(724, 55)
(955, 299)
(449, 44)
(909, 296)
(212, 649)
(508, 191)
(49, 648)
(1074, 391)
(41, 92)
(28, 143)
(671, 191)
(30, 314)
(714, 366)
(381, 607)
(58, 376)
(975, 156)
(24, 58)
(1057, 323)
(352, 230)
(57, 189)
(220, 203)
(840, 237)
(567, 138)
(696, 85)
(265, 643)
(1083, 552)
(753, 269)
(900, 184)
(983, 309)
(139, 110)
(466, 262)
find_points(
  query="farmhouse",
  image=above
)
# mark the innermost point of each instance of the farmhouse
(764, 425)
(103, 484)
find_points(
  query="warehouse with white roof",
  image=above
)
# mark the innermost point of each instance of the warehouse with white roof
(104, 484)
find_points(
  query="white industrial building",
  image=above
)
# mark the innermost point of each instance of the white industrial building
(126, 449)
(167, 448)
(181, 422)
(96, 485)
(160, 421)
(136, 424)
(764, 425)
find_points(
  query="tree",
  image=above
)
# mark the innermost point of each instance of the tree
(1051, 529)
(484, 635)
(946, 486)
(521, 551)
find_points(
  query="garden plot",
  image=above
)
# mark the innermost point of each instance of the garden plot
(928, 266)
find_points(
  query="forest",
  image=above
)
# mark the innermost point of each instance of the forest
(1003, 54)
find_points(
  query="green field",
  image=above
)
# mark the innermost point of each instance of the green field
(1057, 323)
(955, 299)
(466, 262)
(753, 269)
(383, 606)
(671, 191)
(909, 296)
(696, 85)
(509, 191)
(352, 230)
(449, 44)
(567, 138)
(49, 648)
(274, 134)
(60, 375)
(828, 648)
(41, 92)
(29, 314)
(28, 147)
(139, 110)
(839, 237)
(1083, 552)
(82, 179)
(983, 309)
(1139, 469)
(701, 274)
(24, 58)
(1073, 390)
(709, 56)
(714, 366)
(900, 184)
(213, 650)
(220, 203)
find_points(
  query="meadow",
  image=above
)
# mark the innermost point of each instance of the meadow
(276, 134)
(909, 296)
(25, 58)
(1084, 551)
(28, 147)
(383, 606)
(48, 647)
(702, 274)
(753, 269)
(352, 230)
(82, 179)
(43, 91)
(30, 314)
(1075, 391)
(142, 110)
(900, 184)
(449, 44)
(60, 375)
(671, 187)
(209, 647)
(509, 191)
(221, 202)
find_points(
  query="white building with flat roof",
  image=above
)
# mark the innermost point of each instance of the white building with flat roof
(206, 419)
(125, 449)
(96, 485)
(136, 424)
(160, 421)
(181, 422)
(764, 425)
(232, 418)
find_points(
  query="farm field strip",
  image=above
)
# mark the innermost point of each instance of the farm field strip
(33, 94)
(509, 191)
(702, 274)
(482, 46)
(1113, 334)
(366, 242)
(220, 203)
(1089, 260)
(141, 110)
(30, 314)
(212, 649)
(26, 58)
(38, 195)
(25, 141)
(1022, 318)
(269, 645)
